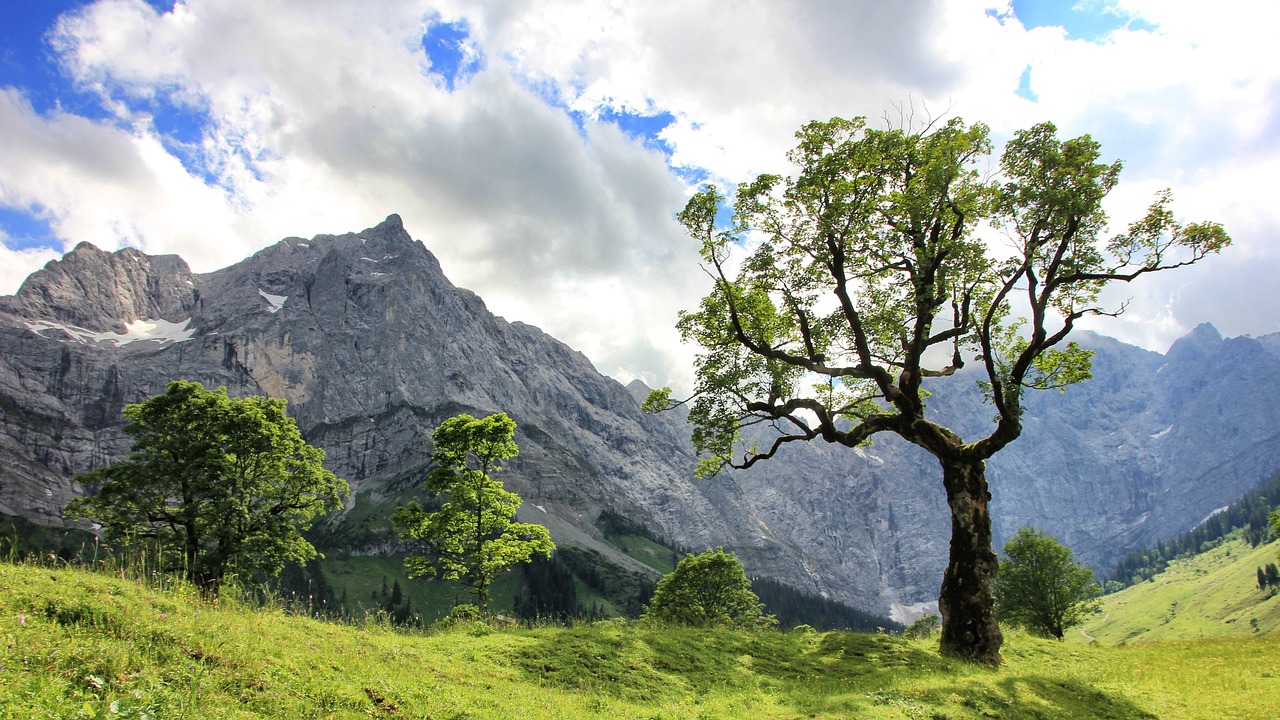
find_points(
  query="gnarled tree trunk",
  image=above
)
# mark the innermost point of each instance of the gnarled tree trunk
(966, 601)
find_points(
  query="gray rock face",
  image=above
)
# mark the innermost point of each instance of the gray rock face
(373, 347)
(1143, 451)
(101, 291)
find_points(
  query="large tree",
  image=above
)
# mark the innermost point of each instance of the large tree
(1040, 585)
(890, 260)
(221, 485)
(473, 538)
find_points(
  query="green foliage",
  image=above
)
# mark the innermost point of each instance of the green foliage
(793, 607)
(870, 249)
(473, 537)
(708, 590)
(840, 291)
(613, 524)
(869, 258)
(924, 627)
(624, 590)
(1041, 587)
(1269, 578)
(20, 538)
(789, 605)
(549, 592)
(219, 485)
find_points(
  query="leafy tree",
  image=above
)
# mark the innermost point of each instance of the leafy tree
(472, 538)
(220, 484)
(835, 292)
(709, 589)
(1271, 574)
(1041, 587)
(925, 626)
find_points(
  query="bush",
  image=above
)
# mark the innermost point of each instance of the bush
(708, 590)
(925, 626)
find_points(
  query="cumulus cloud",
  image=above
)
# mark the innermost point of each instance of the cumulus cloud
(224, 126)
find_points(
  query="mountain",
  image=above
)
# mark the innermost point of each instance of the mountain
(1145, 450)
(373, 346)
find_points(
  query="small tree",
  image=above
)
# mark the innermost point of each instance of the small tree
(710, 589)
(925, 626)
(219, 484)
(1041, 587)
(473, 538)
(1271, 575)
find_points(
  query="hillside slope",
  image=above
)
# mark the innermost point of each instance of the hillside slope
(1212, 594)
(92, 645)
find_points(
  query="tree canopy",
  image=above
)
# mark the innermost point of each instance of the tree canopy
(473, 538)
(221, 485)
(893, 258)
(1275, 522)
(1041, 587)
(708, 589)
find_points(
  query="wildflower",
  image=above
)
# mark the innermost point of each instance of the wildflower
(22, 619)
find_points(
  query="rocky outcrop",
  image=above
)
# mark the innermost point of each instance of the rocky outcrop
(373, 347)
(106, 292)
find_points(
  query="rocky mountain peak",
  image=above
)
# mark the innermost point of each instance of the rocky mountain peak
(638, 390)
(105, 291)
(1198, 344)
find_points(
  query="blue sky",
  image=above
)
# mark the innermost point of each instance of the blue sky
(542, 149)
(1091, 21)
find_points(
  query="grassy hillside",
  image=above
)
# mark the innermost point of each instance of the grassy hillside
(96, 645)
(1213, 594)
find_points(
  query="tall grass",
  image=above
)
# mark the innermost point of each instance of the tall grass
(123, 644)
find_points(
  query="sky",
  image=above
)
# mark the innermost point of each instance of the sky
(541, 150)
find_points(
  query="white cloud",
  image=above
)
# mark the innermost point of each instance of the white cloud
(16, 265)
(321, 117)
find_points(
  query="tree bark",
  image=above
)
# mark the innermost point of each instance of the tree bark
(966, 601)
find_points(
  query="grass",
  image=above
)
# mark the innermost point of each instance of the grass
(75, 643)
(1212, 594)
(650, 552)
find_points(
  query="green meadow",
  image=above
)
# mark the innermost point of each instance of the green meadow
(101, 644)
(1213, 594)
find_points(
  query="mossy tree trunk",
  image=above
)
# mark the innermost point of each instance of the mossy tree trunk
(966, 601)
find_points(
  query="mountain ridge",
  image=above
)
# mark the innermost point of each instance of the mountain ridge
(372, 345)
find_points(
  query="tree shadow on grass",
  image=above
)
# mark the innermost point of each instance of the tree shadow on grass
(844, 674)
(1051, 698)
(648, 664)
